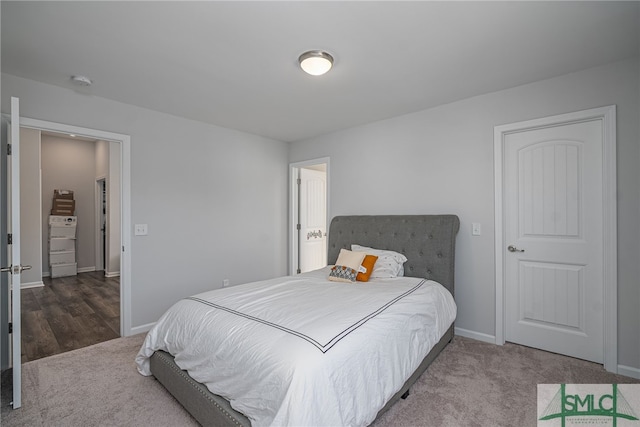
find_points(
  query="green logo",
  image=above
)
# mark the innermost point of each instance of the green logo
(612, 405)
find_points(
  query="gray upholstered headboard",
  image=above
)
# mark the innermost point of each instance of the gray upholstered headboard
(428, 241)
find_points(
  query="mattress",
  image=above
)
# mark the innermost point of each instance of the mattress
(301, 350)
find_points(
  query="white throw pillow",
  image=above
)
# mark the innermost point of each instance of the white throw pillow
(389, 264)
(350, 259)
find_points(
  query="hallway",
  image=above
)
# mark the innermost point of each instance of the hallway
(69, 313)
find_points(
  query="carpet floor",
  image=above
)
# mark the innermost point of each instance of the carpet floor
(470, 384)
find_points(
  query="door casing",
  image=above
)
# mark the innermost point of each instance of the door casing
(100, 238)
(610, 297)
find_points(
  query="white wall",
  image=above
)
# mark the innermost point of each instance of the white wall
(30, 218)
(214, 199)
(441, 161)
(69, 164)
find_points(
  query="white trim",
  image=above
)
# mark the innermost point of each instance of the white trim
(125, 205)
(40, 248)
(142, 328)
(97, 229)
(30, 285)
(13, 166)
(629, 371)
(293, 203)
(86, 270)
(498, 245)
(610, 307)
(610, 238)
(479, 336)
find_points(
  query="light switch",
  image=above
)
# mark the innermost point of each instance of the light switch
(475, 229)
(141, 229)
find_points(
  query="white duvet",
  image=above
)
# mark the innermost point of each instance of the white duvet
(304, 351)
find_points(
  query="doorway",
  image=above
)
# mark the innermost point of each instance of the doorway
(309, 207)
(122, 213)
(556, 235)
(124, 217)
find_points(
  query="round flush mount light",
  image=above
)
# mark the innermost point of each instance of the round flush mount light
(81, 80)
(315, 62)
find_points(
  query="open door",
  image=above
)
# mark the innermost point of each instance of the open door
(309, 208)
(14, 267)
(312, 233)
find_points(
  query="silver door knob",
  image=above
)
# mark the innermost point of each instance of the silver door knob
(512, 248)
(15, 269)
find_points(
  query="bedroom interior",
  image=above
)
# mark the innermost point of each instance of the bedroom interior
(210, 153)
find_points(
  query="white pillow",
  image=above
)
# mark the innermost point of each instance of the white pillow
(389, 264)
(350, 259)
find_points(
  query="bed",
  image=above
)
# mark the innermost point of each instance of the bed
(314, 392)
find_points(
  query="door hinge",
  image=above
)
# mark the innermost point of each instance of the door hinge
(298, 227)
(8, 149)
(299, 181)
(9, 239)
(10, 327)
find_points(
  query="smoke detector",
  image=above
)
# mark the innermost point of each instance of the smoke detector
(81, 80)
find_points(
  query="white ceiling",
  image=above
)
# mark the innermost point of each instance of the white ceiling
(234, 64)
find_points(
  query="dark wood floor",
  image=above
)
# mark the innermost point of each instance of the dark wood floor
(69, 313)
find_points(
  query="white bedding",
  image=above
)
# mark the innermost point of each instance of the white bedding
(304, 351)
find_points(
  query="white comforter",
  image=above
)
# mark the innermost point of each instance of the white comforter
(304, 351)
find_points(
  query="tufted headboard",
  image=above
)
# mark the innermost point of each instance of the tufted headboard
(428, 241)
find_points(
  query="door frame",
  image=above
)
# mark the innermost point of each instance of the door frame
(100, 240)
(125, 202)
(607, 115)
(293, 205)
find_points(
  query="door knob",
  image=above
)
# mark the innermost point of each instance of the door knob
(15, 269)
(512, 248)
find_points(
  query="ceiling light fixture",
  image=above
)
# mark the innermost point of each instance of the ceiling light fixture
(315, 62)
(81, 80)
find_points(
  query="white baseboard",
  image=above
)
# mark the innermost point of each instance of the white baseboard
(79, 270)
(39, 284)
(112, 274)
(141, 329)
(475, 335)
(628, 371)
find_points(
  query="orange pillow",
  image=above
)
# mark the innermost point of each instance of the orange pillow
(368, 262)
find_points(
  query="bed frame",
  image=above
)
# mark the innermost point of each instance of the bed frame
(428, 242)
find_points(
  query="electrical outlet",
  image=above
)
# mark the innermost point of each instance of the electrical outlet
(475, 229)
(225, 283)
(140, 229)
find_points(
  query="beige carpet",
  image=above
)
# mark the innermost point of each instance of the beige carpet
(470, 384)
